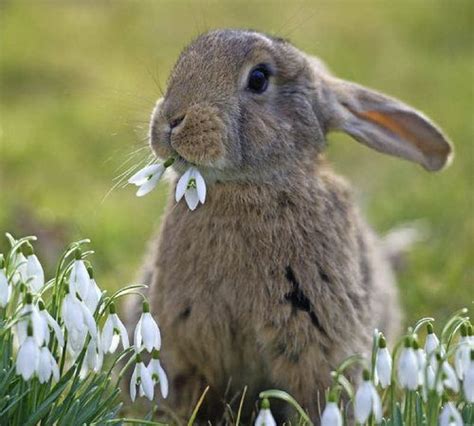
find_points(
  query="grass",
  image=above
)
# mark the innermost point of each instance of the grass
(78, 81)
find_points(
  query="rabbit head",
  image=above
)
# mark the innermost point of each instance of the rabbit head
(241, 105)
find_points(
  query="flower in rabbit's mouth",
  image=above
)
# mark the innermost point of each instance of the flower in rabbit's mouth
(193, 187)
(147, 178)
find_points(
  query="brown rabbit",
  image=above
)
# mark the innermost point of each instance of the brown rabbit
(276, 278)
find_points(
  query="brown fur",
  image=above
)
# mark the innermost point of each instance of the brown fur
(276, 278)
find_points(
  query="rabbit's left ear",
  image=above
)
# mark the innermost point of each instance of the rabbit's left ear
(385, 124)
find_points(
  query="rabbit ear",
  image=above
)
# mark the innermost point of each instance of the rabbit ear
(384, 124)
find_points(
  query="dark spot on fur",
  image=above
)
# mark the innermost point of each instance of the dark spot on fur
(299, 300)
(281, 349)
(185, 314)
(323, 275)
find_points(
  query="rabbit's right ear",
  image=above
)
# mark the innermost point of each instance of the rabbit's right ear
(385, 124)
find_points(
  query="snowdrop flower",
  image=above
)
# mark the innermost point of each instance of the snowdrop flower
(141, 379)
(48, 320)
(265, 417)
(28, 356)
(431, 342)
(94, 294)
(47, 366)
(450, 416)
(468, 383)
(449, 375)
(29, 313)
(383, 364)
(367, 401)
(34, 270)
(462, 354)
(79, 281)
(147, 334)
(94, 358)
(331, 414)
(157, 373)
(78, 322)
(5, 290)
(113, 332)
(20, 275)
(147, 178)
(422, 362)
(408, 367)
(193, 187)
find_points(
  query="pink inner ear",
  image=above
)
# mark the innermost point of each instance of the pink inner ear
(413, 129)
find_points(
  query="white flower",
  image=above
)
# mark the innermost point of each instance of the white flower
(408, 367)
(147, 178)
(193, 187)
(51, 322)
(147, 333)
(5, 290)
(462, 354)
(28, 357)
(265, 417)
(157, 373)
(383, 364)
(94, 294)
(47, 366)
(468, 383)
(141, 379)
(94, 358)
(34, 272)
(79, 281)
(431, 342)
(78, 322)
(450, 380)
(113, 332)
(20, 275)
(30, 313)
(422, 363)
(450, 416)
(331, 415)
(367, 401)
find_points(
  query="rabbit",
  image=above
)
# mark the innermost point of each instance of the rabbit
(276, 278)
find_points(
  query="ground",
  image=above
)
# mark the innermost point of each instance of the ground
(78, 81)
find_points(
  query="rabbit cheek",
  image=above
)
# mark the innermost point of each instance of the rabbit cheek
(200, 139)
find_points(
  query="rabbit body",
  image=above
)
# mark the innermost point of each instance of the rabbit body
(275, 279)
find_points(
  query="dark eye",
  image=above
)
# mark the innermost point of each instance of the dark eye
(258, 79)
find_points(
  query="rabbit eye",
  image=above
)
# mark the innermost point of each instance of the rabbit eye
(258, 79)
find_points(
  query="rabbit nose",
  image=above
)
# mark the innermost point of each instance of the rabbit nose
(175, 122)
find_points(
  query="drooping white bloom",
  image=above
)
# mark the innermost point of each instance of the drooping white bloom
(20, 275)
(29, 313)
(331, 415)
(383, 364)
(158, 375)
(47, 366)
(367, 401)
(147, 178)
(79, 281)
(141, 379)
(5, 290)
(265, 417)
(113, 332)
(28, 357)
(450, 380)
(462, 354)
(34, 271)
(78, 322)
(192, 185)
(94, 358)
(468, 383)
(450, 416)
(147, 333)
(94, 294)
(422, 363)
(48, 320)
(407, 371)
(431, 342)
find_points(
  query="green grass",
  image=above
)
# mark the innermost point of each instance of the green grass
(78, 81)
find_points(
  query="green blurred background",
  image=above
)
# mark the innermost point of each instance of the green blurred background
(78, 80)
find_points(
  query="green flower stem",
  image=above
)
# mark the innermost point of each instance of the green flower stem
(278, 394)
(120, 293)
(422, 322)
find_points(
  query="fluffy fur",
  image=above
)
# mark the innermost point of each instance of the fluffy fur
(276, 278)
